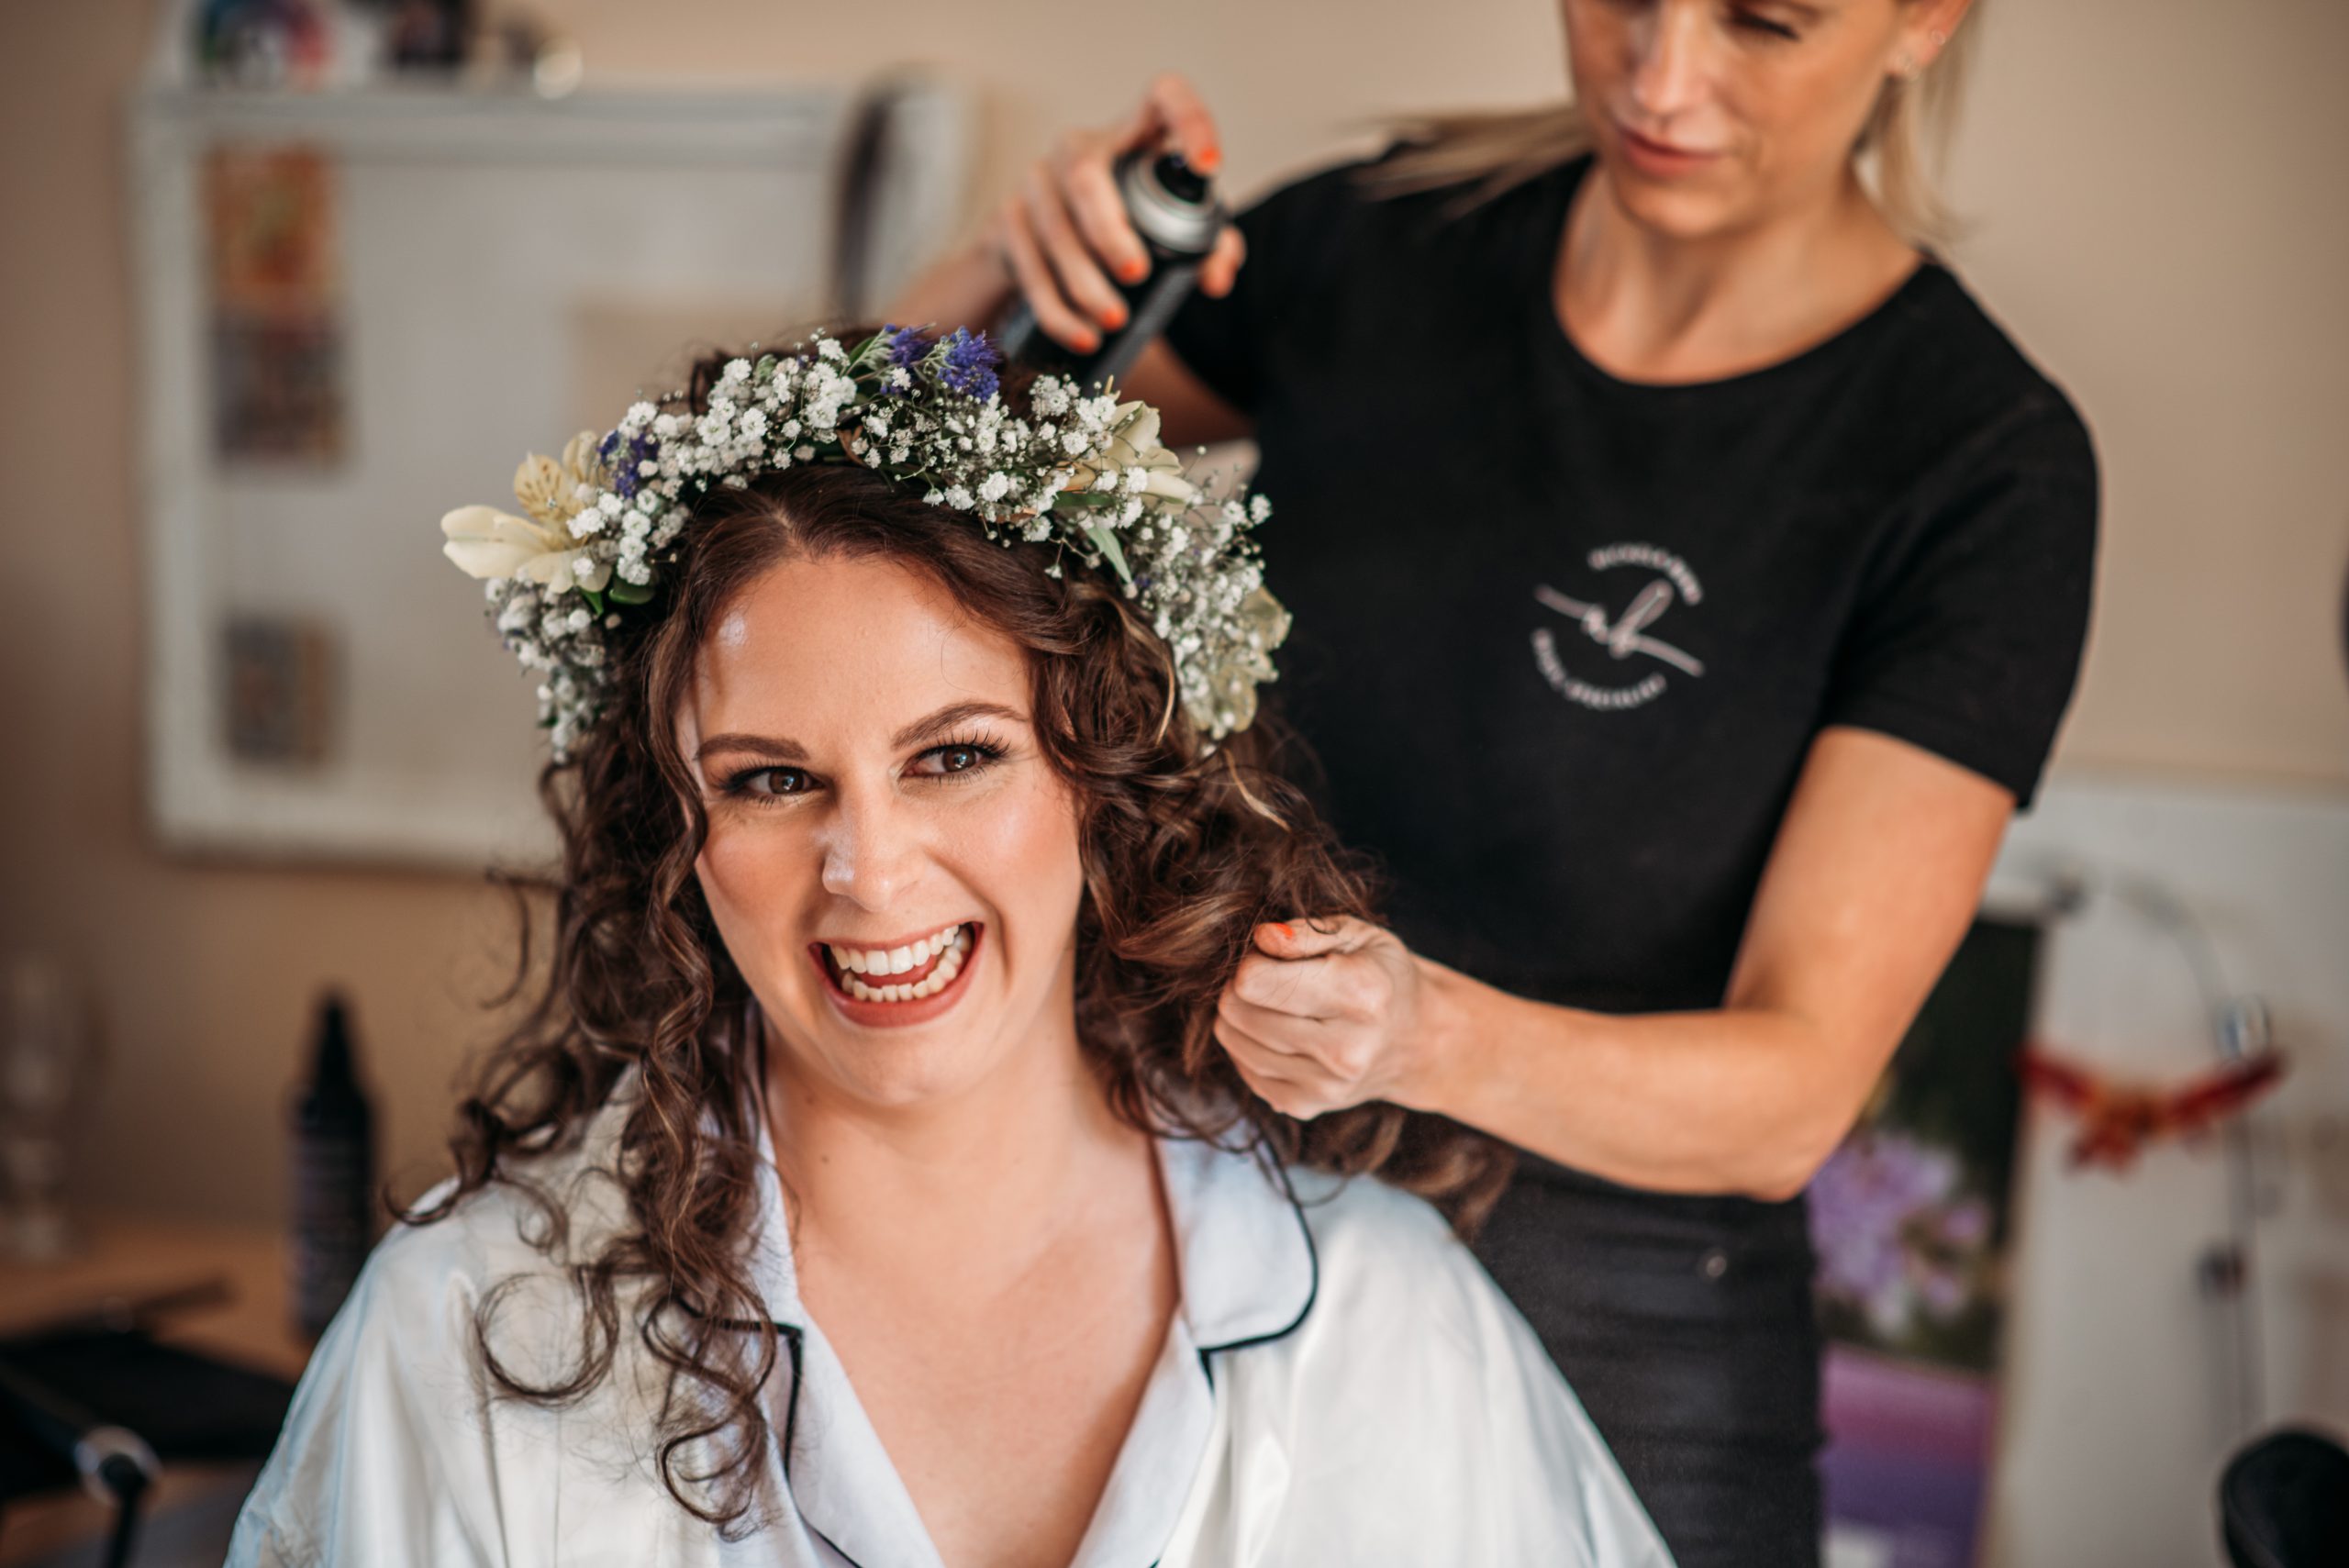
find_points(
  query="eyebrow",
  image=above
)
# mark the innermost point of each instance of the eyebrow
(790, 751)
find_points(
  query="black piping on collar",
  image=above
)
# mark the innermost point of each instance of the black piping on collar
(1313, 1290)
(792, 1337)
(794, 1345)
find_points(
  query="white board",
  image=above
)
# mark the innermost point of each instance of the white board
(497, 253)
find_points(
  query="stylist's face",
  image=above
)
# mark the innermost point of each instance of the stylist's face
(1711, 115)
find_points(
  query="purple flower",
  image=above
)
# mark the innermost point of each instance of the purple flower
(625, 479)
(904, 346)
(1895, 1236)
(969, 365)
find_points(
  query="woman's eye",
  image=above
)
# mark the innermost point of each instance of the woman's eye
(768, 782)
(1765, 26)
(959, 758)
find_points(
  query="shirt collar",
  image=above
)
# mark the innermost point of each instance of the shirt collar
(1242, 1249)
(1248, 1270)
(1244, 1255)
(1248, 1274)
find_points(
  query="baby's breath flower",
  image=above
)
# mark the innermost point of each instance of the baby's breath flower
(1087, 475)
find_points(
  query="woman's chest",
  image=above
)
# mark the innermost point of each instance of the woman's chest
(1002, 1412)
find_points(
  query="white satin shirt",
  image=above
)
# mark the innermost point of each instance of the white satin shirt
(1342, 1385)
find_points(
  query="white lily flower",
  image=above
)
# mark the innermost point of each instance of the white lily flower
(1133, 443)
(550, 490)
(486, 543)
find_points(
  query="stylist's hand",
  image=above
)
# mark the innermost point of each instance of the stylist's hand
(1326, 1014)
(1064, 233)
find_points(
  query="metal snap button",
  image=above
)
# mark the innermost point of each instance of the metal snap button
(1714, 1263)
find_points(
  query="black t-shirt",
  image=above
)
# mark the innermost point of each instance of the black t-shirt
(1561, 641)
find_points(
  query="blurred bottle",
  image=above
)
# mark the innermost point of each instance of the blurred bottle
(1173, 207)
(334, 1173)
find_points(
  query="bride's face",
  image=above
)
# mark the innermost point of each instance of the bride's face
(892, 864)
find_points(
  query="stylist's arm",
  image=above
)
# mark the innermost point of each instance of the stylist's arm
(1872, 881)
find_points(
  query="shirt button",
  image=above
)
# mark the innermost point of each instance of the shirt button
(1714, 1263)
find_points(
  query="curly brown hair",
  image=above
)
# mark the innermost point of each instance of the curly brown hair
(1185, 849)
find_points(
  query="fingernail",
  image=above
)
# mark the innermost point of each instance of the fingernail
(1113, 319)
(1134, 271)
(1208, 157)
(1287, 935)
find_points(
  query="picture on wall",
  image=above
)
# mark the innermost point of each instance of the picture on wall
(277, 343)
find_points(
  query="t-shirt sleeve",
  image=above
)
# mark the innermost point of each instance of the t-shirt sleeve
(1968, 639)
(1226, 342)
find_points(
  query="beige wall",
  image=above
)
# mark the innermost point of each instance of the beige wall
(2161, 217)
(2179, 271)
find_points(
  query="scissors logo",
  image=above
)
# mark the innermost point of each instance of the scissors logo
(1623, 636)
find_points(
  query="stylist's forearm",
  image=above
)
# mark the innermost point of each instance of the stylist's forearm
(1741, 1100)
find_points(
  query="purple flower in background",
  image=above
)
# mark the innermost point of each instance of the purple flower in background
(1895, 1236)
(969, 365)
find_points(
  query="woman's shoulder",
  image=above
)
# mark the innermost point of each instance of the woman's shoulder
(416, 1312)
(1388, 1264)
(1439, 1428)
(542, 1212)
(1955, 358)
(1362, 1223)
(401, 1441)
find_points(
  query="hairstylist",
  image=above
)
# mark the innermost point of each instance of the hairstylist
(1689, 577)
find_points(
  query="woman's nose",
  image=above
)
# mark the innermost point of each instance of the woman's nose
(1668, 70)
(872, 848)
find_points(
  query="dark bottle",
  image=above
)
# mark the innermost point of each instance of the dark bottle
(334, 1173)
(1173, 209)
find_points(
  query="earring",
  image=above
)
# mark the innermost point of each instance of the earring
(1905, 67)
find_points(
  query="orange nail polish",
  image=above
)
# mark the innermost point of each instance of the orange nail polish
(1286, 934)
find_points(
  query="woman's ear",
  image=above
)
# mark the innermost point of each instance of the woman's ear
(1925, 31)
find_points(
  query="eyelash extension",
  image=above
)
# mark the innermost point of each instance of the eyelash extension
(1777, 32)
(737, 784)
(989, 748)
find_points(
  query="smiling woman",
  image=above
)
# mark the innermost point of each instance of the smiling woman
(866, 1180)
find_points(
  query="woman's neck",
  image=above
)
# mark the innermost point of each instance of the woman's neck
(1651, 306)
(969, 1187)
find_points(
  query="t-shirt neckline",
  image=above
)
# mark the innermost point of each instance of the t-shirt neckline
(1551, 329)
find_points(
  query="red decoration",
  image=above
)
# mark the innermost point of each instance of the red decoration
(2118, 1120)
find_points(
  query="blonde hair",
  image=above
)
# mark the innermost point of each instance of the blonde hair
(1484, 154)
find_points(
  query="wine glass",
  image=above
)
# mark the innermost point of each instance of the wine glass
(42, 1040)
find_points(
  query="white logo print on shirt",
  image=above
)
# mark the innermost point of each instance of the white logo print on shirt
(1626, 635)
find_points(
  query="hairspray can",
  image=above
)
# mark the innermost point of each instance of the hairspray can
(1173, 209)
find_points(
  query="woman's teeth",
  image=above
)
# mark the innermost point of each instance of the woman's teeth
(950, 947)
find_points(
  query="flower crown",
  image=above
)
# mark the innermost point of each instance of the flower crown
(1084, 473)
